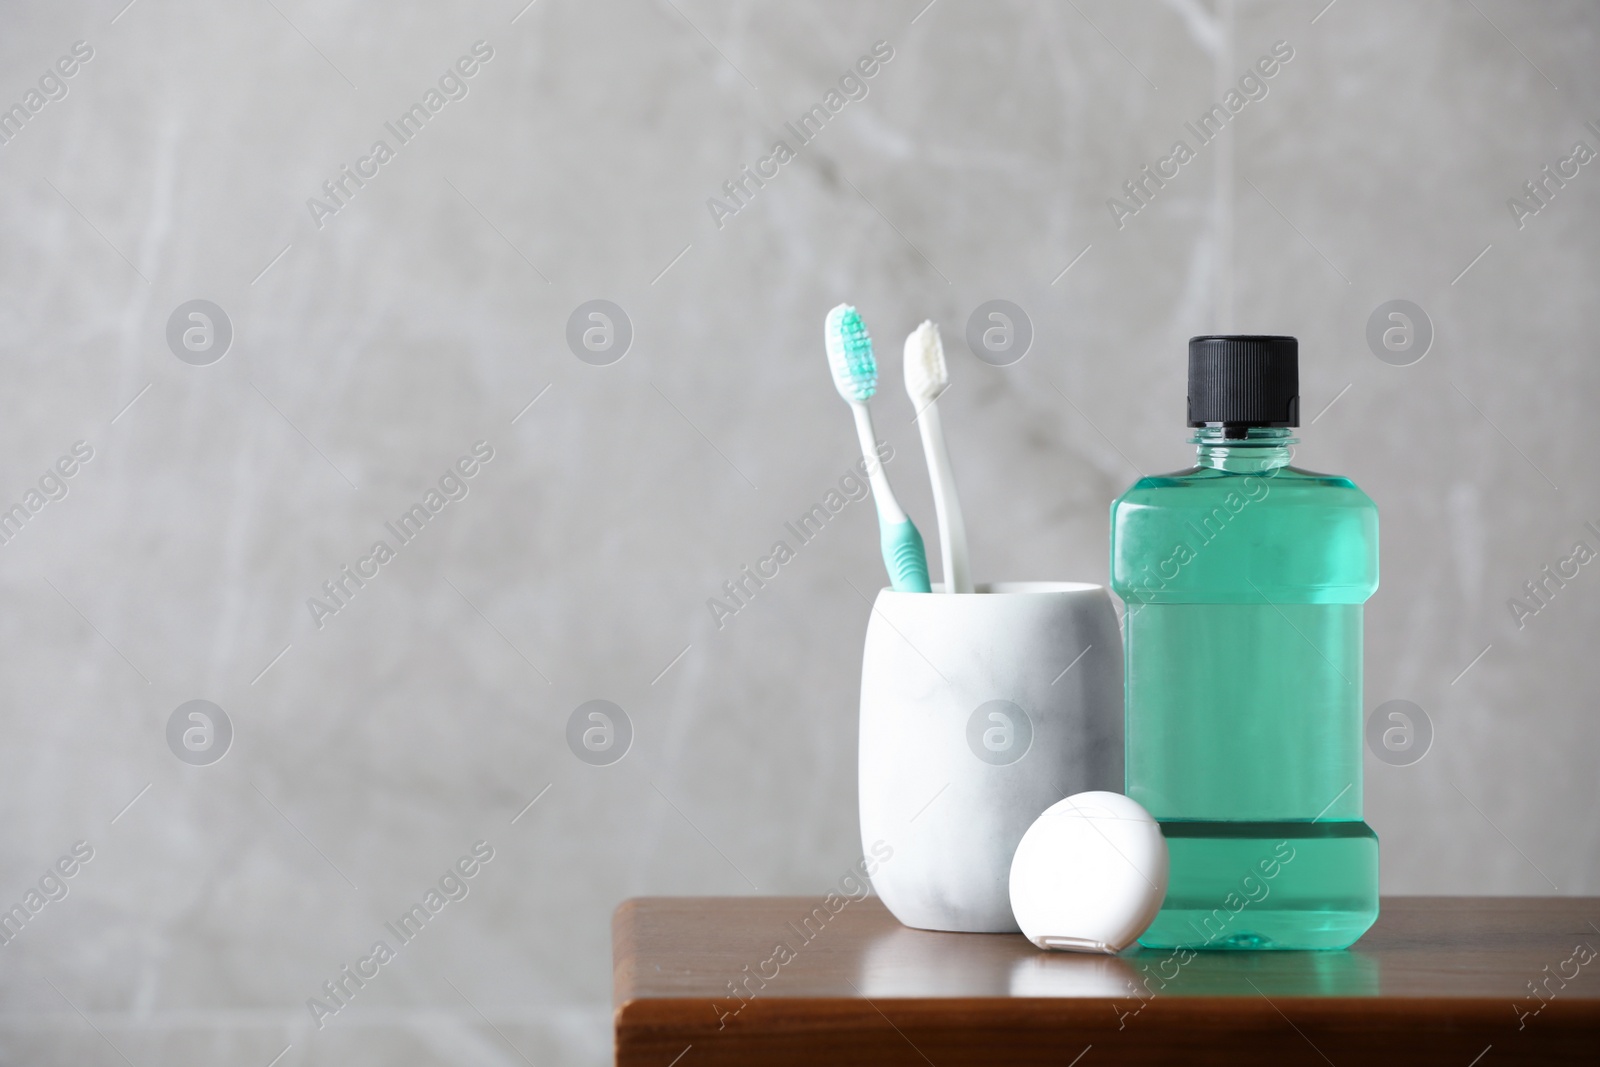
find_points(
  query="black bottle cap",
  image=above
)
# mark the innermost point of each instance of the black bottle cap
(1244, 380)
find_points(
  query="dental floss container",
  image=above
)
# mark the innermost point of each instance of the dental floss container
(1089, 875)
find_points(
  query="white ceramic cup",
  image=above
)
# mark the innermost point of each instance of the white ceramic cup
(979, 711)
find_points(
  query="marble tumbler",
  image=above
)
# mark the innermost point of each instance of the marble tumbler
(979, 711)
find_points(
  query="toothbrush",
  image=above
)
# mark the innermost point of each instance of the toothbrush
(855, 375)
(926, 377)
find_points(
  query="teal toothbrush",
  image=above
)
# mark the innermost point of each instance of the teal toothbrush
(855, 375)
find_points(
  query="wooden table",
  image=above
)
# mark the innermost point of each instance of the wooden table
(1451, 980)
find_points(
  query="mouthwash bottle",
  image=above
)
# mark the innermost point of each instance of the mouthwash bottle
(1244, 579)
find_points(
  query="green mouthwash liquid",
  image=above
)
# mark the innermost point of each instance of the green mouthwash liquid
(1244, 580)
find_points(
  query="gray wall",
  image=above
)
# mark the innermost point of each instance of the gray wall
(430, 309)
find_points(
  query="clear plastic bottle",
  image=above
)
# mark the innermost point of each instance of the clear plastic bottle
(1244, 579)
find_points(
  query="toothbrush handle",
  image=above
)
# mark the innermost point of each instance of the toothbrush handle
(952, 529)
(905, 557)
(889, 511)
(903, 552)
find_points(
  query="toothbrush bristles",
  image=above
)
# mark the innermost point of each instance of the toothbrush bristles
(927, 375)
(855, 371)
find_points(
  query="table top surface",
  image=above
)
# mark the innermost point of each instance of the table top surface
(1447, 947)
(792, 981)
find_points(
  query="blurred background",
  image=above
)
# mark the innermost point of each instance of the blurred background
(359, 339)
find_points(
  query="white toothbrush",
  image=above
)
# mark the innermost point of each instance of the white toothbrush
(926, 377)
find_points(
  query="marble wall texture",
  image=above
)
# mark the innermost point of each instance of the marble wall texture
(377, 339)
